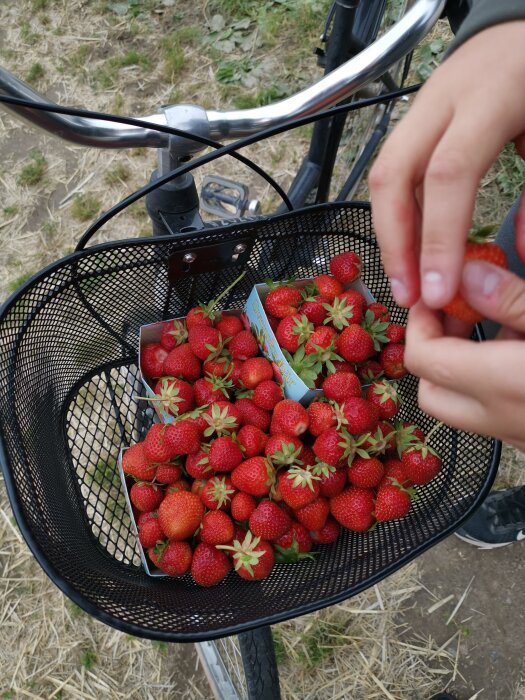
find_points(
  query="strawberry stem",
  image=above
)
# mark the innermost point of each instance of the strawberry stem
(434, 429)
(214, 303)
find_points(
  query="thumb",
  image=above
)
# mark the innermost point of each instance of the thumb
(496, 293)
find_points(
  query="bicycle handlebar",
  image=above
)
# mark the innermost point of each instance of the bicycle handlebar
(366, 66)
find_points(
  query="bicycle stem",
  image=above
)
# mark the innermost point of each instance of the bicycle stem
(339, 84)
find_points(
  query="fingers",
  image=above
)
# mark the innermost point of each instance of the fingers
(451, 407)
(496, 293)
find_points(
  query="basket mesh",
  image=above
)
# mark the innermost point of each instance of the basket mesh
(68, 382)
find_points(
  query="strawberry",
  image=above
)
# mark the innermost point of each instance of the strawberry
(323, 337)
(150, 532)
(380, 311)
(421, 463)
(341, 313)
(395, 471)
(328, 533)
(360, 415)
(385, 397)
(180, 485)
(243, 346)
(282, 301)
(293, 331)
(135, 464)
(168, 473)
(353, 508)
(355, 344)
(235, 368)
(354, 298)
(209, 565)
(331, 480)
(253, 558)
(173, 333)
(296, 538)
(269, 522)
(145, 496)
(180, 514)
(251, 414)
(172, 395)
(173, 558)
(229, 326)
(298, 486)
(197, 464)
(183, 363)
(366, 473)
(242, 506)
(217, 527)
(308, 457)
(272, 322)
(217, 493)
(392, 502)
(291, 417)
(321, 417)
(314, 310)
(407, 434)
(283, 450)
(218, 366)
(252, 440)
(207, 314)
(328, 287)
(255, 370)
(197, 486)
(267, 394)
(156, 448)
(395, 332)
(210, 389)
(205, 341)
(223, 418)
(152, 358)
(341, 385)
(224, 454)
(196, 316)
(329, 447)
(391, 358)
(477, 248)
(313, 515)
(381, 441)
(369, 371)
(182, 437)
(254, 476)
(346, 267)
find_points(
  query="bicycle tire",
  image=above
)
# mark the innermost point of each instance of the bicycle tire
(242, 667)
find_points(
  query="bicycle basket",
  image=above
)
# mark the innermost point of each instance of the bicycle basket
(68, 380)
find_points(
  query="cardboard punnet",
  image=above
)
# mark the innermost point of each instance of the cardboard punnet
(293, 385)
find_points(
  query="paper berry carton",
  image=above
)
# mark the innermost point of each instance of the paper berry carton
(294, 387)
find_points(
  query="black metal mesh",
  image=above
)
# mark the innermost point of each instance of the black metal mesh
(68, 381)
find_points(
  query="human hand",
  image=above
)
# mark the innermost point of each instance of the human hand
(477, 387)
(424, 181)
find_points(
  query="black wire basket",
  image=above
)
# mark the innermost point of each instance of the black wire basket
(68, 382)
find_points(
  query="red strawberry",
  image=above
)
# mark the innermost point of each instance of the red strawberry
(173, 333)
(269, 522)
(384, 395)
(218, 366)
(197, 486)
(168, 473)
(476, 249)
(328, 287)
(217, 493)
(379, 311)
(322, 337)
(395, 471)
(197, 464)
(313, 515)
(298, 486)
(328, 533)
(224, 454)
(341, 313)
(182, 362)
(407, 434)
(293, 331)
(346, 267)
(217, 527)
(282, 301)
(353, 508)
(251, 414)
(252, 440)
(366, 473)
(150, 532)
(391, 358)
(152, 358)
(197, 316)
(314, 310)
(284, 450)
(145, 496)
(273, 322)
(156, 448)
(297, 537)
(329, 447)
(369, 371)
(308, 457)
(421, 463)
(341, 385)
(173, 395)
(355, 344)
(354, 298)
(291, 417)
(223, 418)
(209, 565)
(235, 373)
(332, 481)
(254, 476)
(267, 394)
(392, 502)
(205, 341)
(360, 415)
(253, 558)
(242, 506)
(135, 464)
(381, 441)
(321, 417)
(209, 390)
(395, 332)
(173, 558)
(243, 346)
(183, 437)
(180, 514)
(255, 370)
(229, 326)
(180, 485)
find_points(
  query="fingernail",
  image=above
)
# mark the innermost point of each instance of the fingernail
(399, 291)
(481, 278)
(433, 288)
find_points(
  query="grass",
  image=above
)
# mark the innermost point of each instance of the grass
(85, 207)
(33, 173)
(35, 73)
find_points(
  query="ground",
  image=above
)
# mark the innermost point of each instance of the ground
(392, 641)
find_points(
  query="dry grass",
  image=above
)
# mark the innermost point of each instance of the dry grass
(83, 53)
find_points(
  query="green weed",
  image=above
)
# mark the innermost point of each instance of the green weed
(88, 658)
(35, 73)
(118, 174)
(32, 173)
(85, 207)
